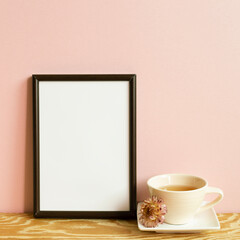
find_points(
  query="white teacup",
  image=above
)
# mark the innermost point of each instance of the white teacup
(182, 205)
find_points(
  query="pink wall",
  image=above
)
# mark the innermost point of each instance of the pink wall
(186, 56)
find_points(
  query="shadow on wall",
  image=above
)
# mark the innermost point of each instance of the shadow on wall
(142, 190)
(28, 180)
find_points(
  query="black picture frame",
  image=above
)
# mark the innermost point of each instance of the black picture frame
(37, 80)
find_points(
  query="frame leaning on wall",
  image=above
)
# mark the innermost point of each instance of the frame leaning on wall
(84, 130)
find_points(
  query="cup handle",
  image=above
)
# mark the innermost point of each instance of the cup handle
(215, 201)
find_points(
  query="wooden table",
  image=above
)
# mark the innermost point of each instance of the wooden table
(24, 226)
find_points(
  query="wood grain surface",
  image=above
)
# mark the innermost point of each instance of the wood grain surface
(24, 226)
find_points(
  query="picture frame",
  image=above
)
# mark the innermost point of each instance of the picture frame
(84, 132)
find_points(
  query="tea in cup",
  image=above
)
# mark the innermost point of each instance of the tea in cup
(183, 194)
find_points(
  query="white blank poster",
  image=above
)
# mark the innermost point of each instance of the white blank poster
(84, 145)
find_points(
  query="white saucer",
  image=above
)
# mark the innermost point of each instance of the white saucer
(203, 221)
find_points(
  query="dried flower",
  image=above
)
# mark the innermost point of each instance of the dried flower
(152, 212)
